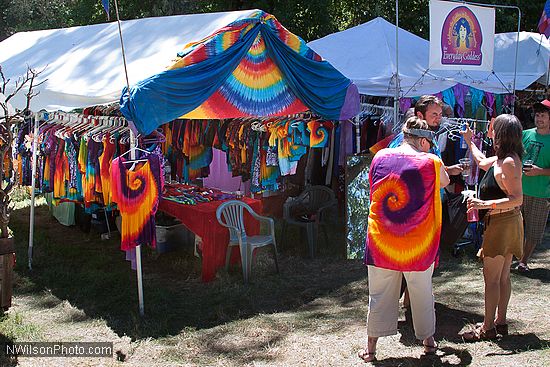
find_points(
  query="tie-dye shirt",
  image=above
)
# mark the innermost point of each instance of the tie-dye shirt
(404, 222)
(137, 194)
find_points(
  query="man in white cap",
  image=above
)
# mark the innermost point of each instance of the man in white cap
(536, 181)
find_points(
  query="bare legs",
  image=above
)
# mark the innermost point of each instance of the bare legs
(369, 353)
(496, 273)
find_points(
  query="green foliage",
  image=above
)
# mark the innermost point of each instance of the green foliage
(308, 19)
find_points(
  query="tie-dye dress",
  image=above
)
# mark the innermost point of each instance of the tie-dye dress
(136, 193)
(404, 222)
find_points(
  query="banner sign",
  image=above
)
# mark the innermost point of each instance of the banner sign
(461, 36)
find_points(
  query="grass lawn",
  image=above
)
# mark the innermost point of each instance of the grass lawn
(311, 314)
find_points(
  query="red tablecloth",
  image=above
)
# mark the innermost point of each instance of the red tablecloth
(201, 220)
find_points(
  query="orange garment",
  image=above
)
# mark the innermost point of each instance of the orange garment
(61, 174)
(104, 166)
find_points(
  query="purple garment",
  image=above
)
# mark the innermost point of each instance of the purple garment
(220, 177)
(460, 91)
(92, 169)
(352, 104)
(346, 142)
(50, 150)
(509, 100)
(490, 101)
(440, 96)
(72, 157)
(472, 179)
(405, 104)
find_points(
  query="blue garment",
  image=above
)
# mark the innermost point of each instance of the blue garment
(477, 97)
(398, 140)
(449, 97)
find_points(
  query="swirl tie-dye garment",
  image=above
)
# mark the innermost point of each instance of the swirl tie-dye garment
(404, 222)
(136, 193)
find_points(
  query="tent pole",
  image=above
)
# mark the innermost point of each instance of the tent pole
(516, 62)
(133, 144)
(357, 134)
(397, 87)
(33, 187)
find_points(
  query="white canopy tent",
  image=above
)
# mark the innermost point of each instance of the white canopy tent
(533, 59)
(83, 65)
(366, 55)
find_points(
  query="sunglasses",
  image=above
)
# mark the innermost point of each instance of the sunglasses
(430, 141)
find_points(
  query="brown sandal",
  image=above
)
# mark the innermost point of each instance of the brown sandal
(502, 329)
(366, 356)
(430, 350)
(478, 334)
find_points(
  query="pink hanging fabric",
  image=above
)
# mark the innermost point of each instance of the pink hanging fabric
(221, 178)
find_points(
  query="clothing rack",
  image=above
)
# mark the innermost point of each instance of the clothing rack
(453, 126)
(385, 113)
(77, 122)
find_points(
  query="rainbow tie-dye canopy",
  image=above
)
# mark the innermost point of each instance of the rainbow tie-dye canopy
(252, 67)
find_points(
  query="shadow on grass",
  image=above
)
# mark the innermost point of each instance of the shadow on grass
(449, 322)
(242, 351)
(92, 275)
(541, 274)
(518, 343)
(444, 357)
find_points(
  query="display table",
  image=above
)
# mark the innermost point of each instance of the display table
(201, 220)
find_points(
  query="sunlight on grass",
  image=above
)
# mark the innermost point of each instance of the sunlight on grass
(21, 198)
(13, 327)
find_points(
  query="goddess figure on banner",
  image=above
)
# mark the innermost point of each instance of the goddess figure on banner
(461, 38)
(462, 33)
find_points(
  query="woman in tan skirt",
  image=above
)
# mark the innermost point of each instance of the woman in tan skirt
(500, 198)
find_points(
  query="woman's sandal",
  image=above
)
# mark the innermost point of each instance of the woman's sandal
(478, 334)
(502, 329)
(430, 350)
(366, 356)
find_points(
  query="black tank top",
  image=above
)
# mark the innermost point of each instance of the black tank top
(489, 189)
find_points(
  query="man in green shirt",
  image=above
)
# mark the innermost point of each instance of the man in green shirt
(536, 181)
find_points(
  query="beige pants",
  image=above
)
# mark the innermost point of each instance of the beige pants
(384, 288)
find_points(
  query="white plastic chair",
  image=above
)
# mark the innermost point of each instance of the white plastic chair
(230, 215)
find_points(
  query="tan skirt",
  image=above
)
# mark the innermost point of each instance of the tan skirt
(503, 234)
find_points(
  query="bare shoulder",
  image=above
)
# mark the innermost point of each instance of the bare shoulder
(511, 161)
(511, 164)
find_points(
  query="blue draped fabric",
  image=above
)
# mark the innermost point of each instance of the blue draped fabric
(316, 83)
(174, 93)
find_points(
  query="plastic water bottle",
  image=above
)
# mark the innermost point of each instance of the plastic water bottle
(472, 215)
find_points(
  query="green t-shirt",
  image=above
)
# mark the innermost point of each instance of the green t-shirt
(537, 148)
